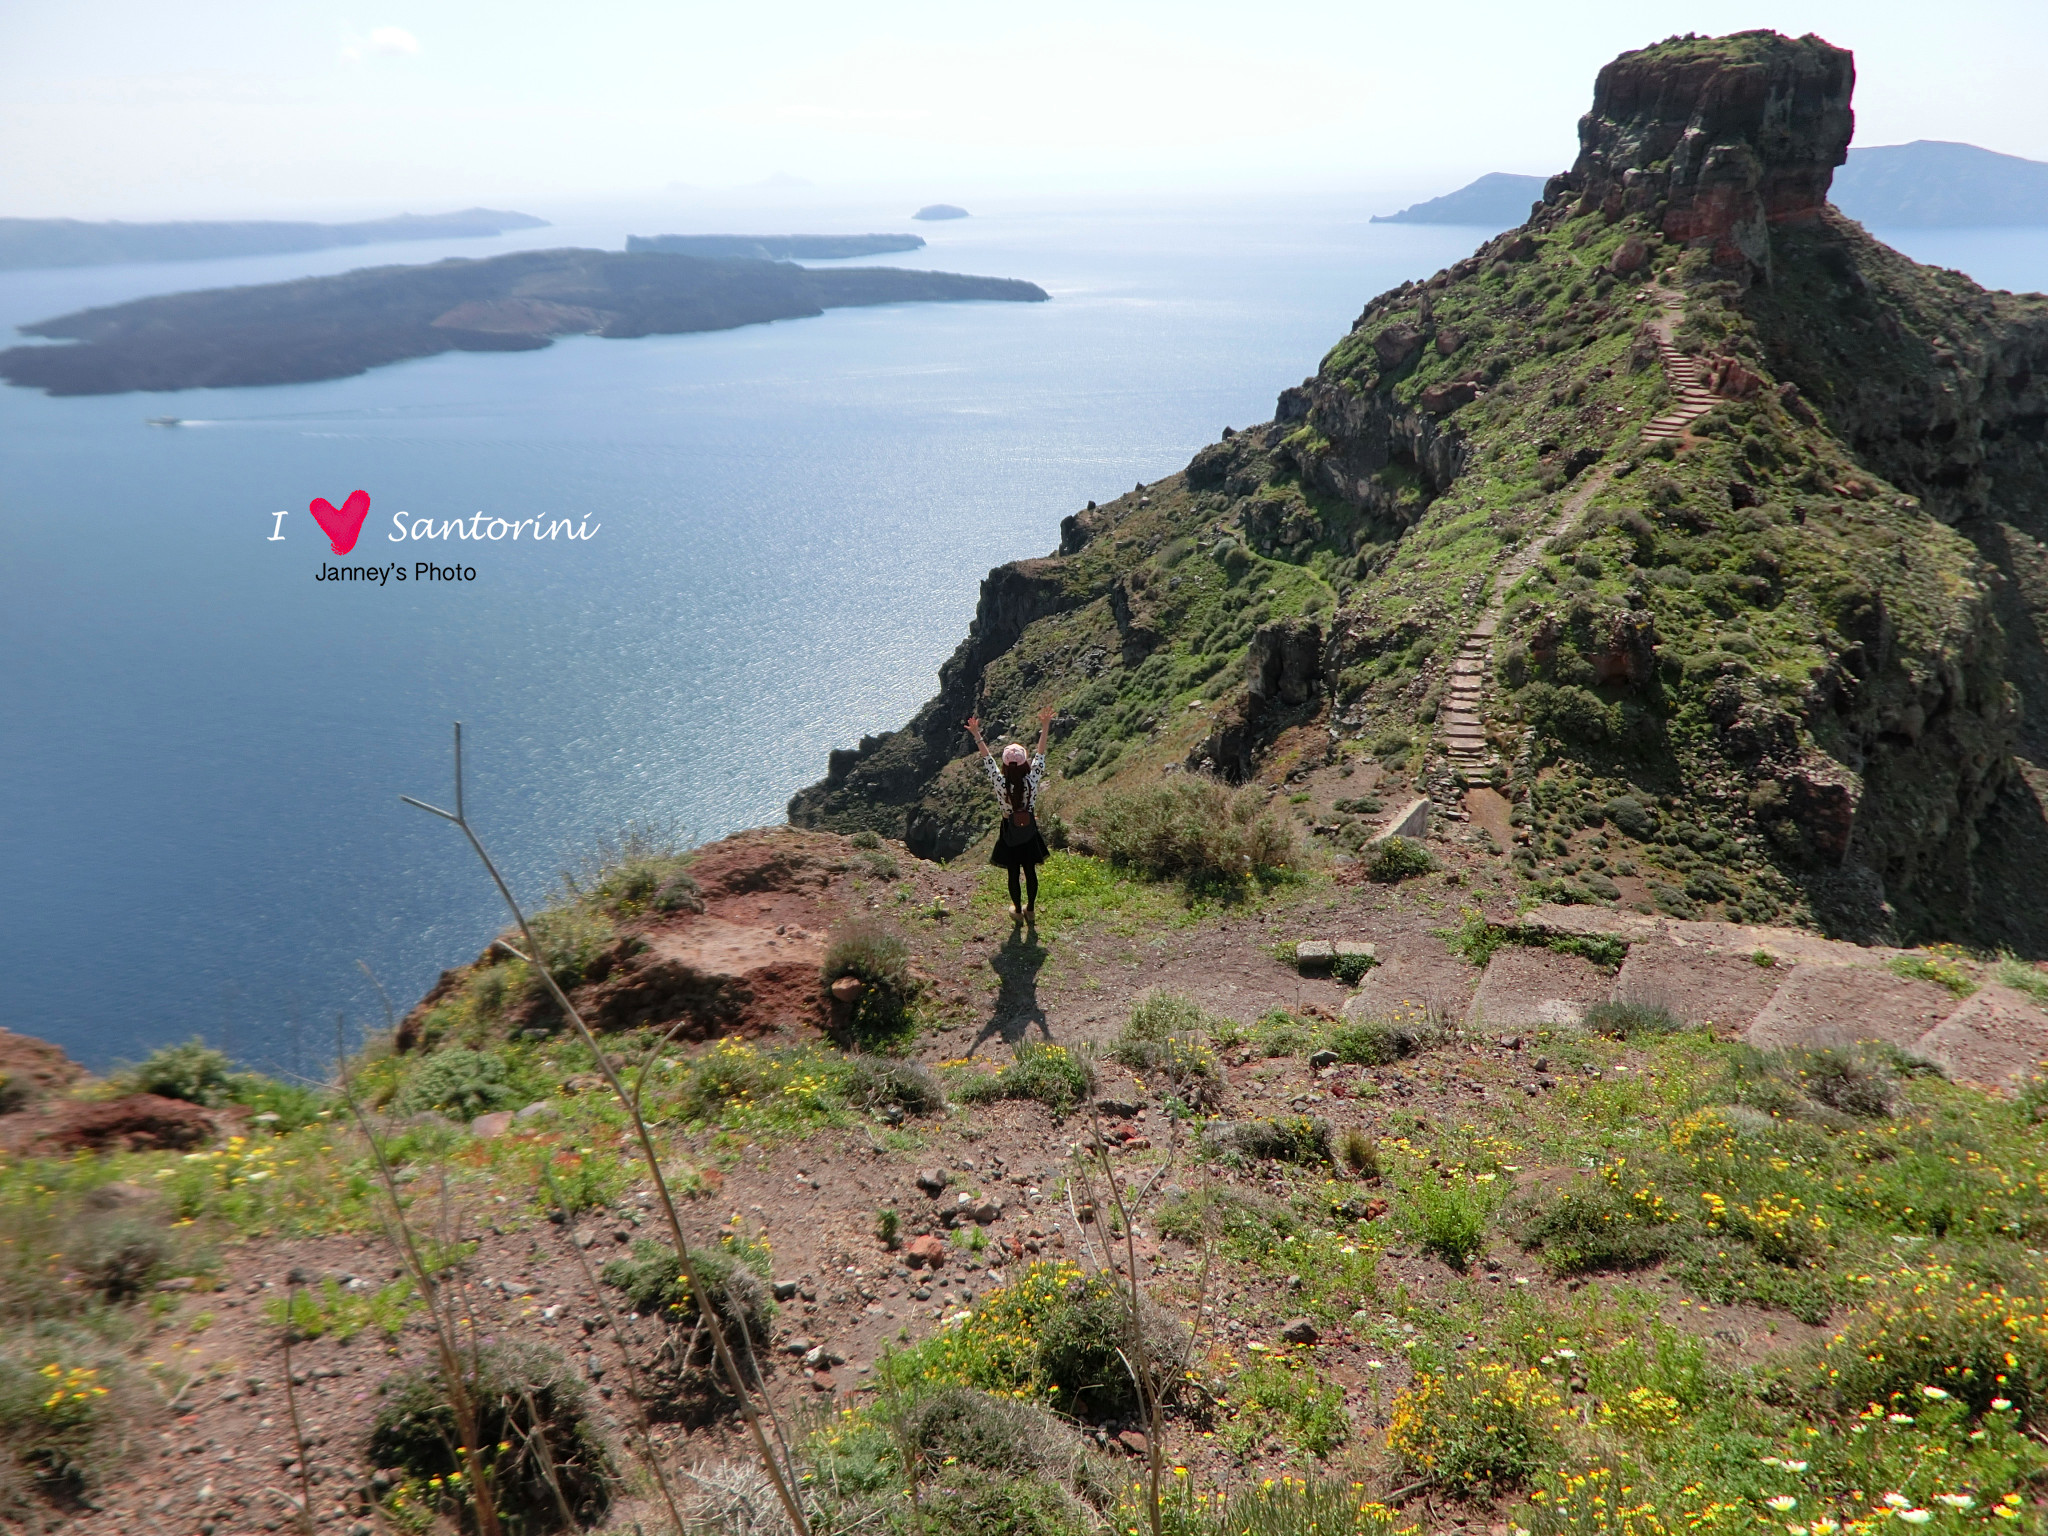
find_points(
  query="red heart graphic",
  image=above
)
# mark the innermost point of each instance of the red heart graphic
(343, 524)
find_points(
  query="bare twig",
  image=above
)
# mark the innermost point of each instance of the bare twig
(291, 1402)
(781, 1469)
(634, 1394)
(446, 1343)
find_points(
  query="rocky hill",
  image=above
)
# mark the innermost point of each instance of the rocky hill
(1686, 492)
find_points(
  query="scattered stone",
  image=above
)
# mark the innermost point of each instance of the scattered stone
(497, 1123)
(924, 1252)
(1322, 1059)
(584, 1082)
(181, 1283)
(846, 989)
(1134, 1442)
(988, 1211)
(785, 1290)
(933, 1180)
(1300, 1331)
(822, 1381)
(799, 1346)
(1119, 1109)
(539, 1109)
(819, 1358)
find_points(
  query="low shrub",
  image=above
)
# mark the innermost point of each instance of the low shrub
(734, 1276)
(65, 1410)
(544, 1451)
(1931, 1327)
(1193, 829)
(120, 1258)
(1394, 859)
(879, 1084)
(1288, 1139)
(570, 939)
(1372, 1042)
(1289, 1400)
(1249, 1224)
(1487, 1425)
(194, 1072)
(1590, 1227)
(879, 958)
(457, 1082)
(1050, 1074)
(1352, 969)
(1052, 1333)
(327, 1309)
(1629, 1021)
(1942, 970)
(1447, 1218)
(866, 839)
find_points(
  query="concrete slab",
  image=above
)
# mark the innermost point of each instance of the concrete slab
(1822, 1004)
(1416, 977)
(1524, 988)
(1996, 1039)
(1719, 988)
(1412, 820)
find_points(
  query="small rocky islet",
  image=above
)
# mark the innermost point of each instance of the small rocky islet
(1531, 1022)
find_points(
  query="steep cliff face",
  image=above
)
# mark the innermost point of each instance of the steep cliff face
(1716, 140)
(1739, 514)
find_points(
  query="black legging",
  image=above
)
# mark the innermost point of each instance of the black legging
(1030, 873)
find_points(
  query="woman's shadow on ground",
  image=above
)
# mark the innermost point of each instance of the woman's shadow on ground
(1018, 1010)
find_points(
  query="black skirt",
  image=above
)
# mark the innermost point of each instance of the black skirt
(1027, 851)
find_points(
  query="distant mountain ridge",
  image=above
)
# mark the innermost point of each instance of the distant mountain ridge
(1496, 200)
(1938, 184)
(28, 243)
(1927, 184)
(776, 247)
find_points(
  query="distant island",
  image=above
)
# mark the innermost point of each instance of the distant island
(1495, 201)
(776, 247)
(940, 211)
(1934, 184)
(333, 327)
(74, 243)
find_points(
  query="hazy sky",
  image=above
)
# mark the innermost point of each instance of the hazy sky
(145, 108)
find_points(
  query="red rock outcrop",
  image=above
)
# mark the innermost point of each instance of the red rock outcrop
(1719, 139)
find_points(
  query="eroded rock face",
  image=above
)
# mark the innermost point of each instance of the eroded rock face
(1721, 138)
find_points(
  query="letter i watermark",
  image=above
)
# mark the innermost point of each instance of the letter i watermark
(277, 529)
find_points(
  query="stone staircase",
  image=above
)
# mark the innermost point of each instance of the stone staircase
(1460, 723)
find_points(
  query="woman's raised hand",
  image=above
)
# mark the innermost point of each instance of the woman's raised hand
(1045, 715)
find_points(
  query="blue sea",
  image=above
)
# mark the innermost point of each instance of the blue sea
(202, 747)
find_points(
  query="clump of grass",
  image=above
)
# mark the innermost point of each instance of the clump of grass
(1942, 970)
(458, 1082)
(1352, 969)
(1289, 1400)
(328, 1310)
(1166, 1035)
(733, 1275)
(65, 1410)
(1249, 1224)
(121, 1257)
(1288, 1139)
(879, 958)
(2022, 977)
(645, 867)
(1192, 829)
(1287, 1506)
(1394, 859)
(1051, 1074)
(1447, 1218)
(1358, 1154)
(1859, 1081)
(1630, 1020)
(866, 839)
(547, 1461)
(1485, 1425)
(888, 1227)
